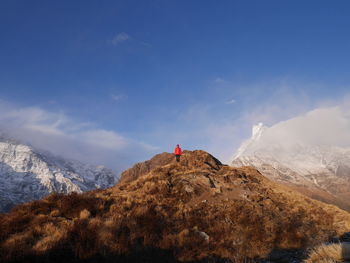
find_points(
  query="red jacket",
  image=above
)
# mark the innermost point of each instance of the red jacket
(178, 150)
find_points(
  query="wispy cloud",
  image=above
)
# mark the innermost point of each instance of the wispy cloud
(146, 44)
(63, 135)
(119, 97)
(120, 38)
(325, 126)
(219, 80)
(232, 101)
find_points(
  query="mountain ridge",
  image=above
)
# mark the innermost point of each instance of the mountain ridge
(28, 174)
(192, 210)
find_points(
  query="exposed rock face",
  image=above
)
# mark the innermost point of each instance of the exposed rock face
(319, 171)
(197, 209)
(28, 174)
(145, 167)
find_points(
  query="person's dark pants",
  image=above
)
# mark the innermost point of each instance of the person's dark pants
(177, 158)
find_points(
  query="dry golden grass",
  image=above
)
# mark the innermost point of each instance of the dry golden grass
(195, 209)
(339, 252)
(326, 254)
(51, 236)
(84, 214)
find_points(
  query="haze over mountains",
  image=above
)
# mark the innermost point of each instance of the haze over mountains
(65, 135)
(310, 153)
(28, 174)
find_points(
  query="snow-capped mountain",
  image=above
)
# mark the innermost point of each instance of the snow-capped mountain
(281, 153)
(28, 174)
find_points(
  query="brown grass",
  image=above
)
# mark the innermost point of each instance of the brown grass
(326, 254)
(196, 209)
(338, 252)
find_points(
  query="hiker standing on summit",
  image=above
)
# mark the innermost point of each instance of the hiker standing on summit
(177, 152)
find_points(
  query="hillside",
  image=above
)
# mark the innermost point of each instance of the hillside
(164, 211)
(28, 174)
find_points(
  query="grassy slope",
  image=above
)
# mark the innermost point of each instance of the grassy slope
(184, 211)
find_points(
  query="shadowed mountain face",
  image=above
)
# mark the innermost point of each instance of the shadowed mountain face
(164, 211)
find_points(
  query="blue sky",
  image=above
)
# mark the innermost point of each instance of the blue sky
(157, 73)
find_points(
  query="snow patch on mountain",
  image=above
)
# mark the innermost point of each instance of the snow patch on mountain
(267, 145)
(257, 132)
(28, 174)
(312, 150)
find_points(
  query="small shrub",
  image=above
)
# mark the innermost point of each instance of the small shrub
(84, 214)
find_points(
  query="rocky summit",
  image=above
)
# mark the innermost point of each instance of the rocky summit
(166, 211)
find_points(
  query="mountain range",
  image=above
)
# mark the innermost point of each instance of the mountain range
(195, 210)
(27, 173)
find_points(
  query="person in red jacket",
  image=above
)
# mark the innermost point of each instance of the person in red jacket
(177, 152)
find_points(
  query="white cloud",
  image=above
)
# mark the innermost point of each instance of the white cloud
(119, 38)
(105, 139)
(119, 97)
(295, 117)
(219, 80)
(232, 101)
(321, 127)
(313, 131)
(64, 136)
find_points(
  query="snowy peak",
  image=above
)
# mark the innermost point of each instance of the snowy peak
(275, 143)
(27, 174)
(284, 154)
(257, 131)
